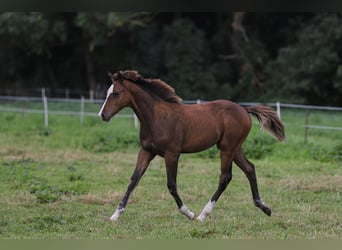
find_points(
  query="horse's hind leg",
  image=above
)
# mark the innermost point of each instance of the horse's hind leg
(225, 178)
(248, 168)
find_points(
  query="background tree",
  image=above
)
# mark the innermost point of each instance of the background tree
(96, 31)
(293, 57)
(309, 70)
(27, 41)
(186, 57)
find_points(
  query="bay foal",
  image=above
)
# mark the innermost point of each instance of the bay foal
(169, 128)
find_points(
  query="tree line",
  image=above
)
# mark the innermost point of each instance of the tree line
(241, 56)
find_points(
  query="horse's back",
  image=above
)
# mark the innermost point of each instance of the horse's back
(219, 109)
(216, 110)
(207, 123)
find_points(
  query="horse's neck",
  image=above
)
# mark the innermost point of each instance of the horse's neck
(143, 106)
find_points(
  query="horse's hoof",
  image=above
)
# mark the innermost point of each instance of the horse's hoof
(267, 211)
(199, 220)
(113, 219)
(184, 210)
(260, 204)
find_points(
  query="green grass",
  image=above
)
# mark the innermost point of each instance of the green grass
(65, 181)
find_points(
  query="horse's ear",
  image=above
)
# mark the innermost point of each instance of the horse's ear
(111, 76)
(116, 76)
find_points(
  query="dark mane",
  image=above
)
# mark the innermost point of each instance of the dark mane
(156, 86)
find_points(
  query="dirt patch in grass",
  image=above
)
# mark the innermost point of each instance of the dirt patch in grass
(98, 199)
(314, 184)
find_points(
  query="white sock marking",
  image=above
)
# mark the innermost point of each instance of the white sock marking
(184, 210)
(117, 213)
(206, 210)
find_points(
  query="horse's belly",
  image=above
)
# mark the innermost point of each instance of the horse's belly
(200, 141)
(196, 148)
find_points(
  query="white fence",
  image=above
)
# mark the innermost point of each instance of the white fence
(279, 105)
(11, 103)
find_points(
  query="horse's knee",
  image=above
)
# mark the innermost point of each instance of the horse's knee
(172, 187)
(226, 179)
(250, 169)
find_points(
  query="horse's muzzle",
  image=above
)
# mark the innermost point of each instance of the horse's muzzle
(104, 117)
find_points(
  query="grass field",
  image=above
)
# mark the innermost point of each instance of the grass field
(65, 181)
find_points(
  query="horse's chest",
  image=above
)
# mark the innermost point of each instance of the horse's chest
(148, 144)
(155, 143)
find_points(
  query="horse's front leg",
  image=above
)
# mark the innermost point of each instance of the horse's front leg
(144, 159)
(171, 162)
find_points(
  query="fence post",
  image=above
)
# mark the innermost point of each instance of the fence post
(82, 110)
(91, 95)
(45, 104)
(136, 121)
(278, 110)
(306, 127)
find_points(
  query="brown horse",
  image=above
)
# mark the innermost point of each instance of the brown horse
(169, 128)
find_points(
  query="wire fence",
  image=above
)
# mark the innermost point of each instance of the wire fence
(83, 107)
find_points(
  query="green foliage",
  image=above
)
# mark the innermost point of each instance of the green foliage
(292, 57)
(44, 131)
(336, 153)
(33, 33)
(308, 71)
(111, 141)
(53, 188)
(258, 144)
(46, 222)
(27, 174)
(44, 192)
(149, 48)
(27, 46)
(323, 154)
(185, 59)
(199, 234)
(98, 27)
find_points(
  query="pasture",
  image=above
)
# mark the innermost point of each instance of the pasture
(65, 181)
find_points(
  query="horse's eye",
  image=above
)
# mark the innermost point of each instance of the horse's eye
(115, 94)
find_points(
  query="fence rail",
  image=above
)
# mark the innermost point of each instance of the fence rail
(82, 113)
(100, 101)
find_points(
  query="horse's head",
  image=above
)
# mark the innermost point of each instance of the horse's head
(117, 98)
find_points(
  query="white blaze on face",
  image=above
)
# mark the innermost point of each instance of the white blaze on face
(109, 91)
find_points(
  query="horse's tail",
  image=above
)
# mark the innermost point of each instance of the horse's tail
(268, 120)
